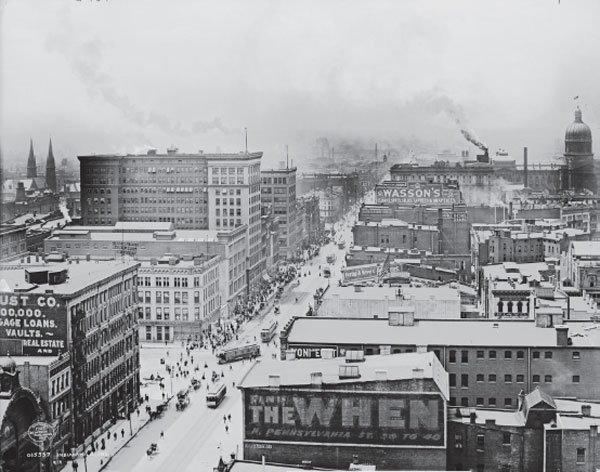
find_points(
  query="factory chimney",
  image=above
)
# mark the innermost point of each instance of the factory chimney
(525, 179)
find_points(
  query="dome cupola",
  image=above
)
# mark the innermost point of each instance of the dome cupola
(578, 136)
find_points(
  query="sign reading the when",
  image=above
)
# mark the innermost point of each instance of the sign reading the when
(416, 193)
(344, 418)
(39, 322)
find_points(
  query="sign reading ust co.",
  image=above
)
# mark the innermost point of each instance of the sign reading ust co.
(337, 417)
(37, 322)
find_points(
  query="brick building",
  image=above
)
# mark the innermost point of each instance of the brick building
(278, 190)
(147, 241)
(396, 234)
(178, 299)
(488, 362)
(217, 192)
(389, 411)
(13, 241)
(543, 434)
(89, 310)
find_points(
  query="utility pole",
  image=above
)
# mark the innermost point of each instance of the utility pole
(246, 132)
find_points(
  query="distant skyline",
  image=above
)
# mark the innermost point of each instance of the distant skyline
(121, 76)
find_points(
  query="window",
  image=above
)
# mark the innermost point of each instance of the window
(508, 378)
(452, 359)
(536, 354)
(508, 402)
(479, 401)
(148, 333)
(491, 401)
(480, 441)
(576, 355)
(520, 378)
(158, 296)
(576, 379)
(492, 378)
(506, 439)
(520, 355)
(508, 354)
(458, 440)
(464, 356)
(464, 401)
(480, 377)
(548, 355)
(547, 378)
(167, 312)
(492, 354)
(158, 313)
(536, 379)
(480, 354)
(580, 455)
(480, 468)
(464, 380)
(452, 379)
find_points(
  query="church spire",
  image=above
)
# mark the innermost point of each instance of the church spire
(31, 164)
(50, 169)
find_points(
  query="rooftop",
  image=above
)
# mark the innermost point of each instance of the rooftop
(389, 293)
(189, 235)
(485, 333)
(586, 249)
(298, 373)
(80, 275)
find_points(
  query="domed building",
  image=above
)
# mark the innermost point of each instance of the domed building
(19, 409)
(579, 156)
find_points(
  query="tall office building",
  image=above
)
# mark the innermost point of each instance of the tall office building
(278, 191)
(193, 191)
(579, 155)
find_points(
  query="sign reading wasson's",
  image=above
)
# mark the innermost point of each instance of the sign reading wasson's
(38, 322)
(416, 192)
(399, 419)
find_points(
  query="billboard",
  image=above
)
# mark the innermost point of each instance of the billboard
(360, 273)
(416, 193)
(365, 418)
(310, 352)
(37, 322)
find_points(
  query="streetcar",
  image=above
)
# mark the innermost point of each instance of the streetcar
(267, 334)
(216, 395)
(237, 353)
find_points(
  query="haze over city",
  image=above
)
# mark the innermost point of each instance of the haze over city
(103, 77)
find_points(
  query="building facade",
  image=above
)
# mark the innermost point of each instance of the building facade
(488, 362)
(13, 241)
(217, 192)
(388, 411)
(89, 310)
(178, 299)
(278, 190)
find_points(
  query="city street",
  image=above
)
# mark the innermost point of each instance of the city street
(195, 438)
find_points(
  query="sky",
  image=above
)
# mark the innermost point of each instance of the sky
(114, 76)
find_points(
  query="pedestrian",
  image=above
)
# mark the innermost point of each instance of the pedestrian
(115, 436)
(234, 384)
(108, 436)
(138, 412)
(162, 434)
(122, 433)
(224, 419)
(229, 416)
(227, 429)
(163, 396)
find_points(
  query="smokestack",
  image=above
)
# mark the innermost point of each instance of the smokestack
(525, 181)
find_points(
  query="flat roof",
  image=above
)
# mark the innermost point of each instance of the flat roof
(389, 293)
(455, 332)
(586, 248)
(570, 416)
(189, 235)
(80, 275)
(298, 372)
(501, 417)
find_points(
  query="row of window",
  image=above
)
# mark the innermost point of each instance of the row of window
(508, 378)
(464, 355)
